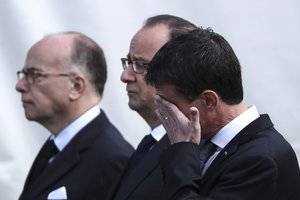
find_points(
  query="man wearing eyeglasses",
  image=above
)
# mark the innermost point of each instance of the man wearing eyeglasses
(61, 86)
(142, 178)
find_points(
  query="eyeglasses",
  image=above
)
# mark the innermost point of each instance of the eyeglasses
(137, 66)
(32, 75)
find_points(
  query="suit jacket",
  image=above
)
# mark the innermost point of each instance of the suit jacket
(258, 163)
(87, 167)
(145, 182)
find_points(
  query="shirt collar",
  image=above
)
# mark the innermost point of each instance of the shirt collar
(158, 132)
(65, 136)
(225, 135)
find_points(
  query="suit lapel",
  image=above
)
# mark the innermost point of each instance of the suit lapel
(261, 123)
(30, 174)
(146, 166)
(68, 157)
(60, 166)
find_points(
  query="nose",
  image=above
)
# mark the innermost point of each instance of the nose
(22, 85)
(128, 75)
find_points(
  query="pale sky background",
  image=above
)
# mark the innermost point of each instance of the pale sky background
(263, 33)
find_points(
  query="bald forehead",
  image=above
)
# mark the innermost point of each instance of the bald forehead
(148, 40)
(52, 50)
(63, 41)
(157, 34)
(58, 41)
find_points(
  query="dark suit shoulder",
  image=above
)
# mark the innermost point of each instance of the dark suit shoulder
(102, 135)
(257, 164)
(146, 180)
(101, 154)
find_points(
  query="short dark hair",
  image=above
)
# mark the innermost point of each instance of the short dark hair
(87, 53)
(198, 61)
(176, 25)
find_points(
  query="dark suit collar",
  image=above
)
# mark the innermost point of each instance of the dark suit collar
(146, 166)
(68, 157)
(246, 134)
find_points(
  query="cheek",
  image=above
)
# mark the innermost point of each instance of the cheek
(49, 96)
(140, 80)
(146, 89)
(185, 109)
(147, 96)
(39, 106)
(149, 91)
(42, 101)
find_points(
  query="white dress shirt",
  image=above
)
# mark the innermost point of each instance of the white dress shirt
(158, 132)
(227, 133)
(65, 136)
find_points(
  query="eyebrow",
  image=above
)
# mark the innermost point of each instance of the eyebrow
(143, 60)
(33, 68)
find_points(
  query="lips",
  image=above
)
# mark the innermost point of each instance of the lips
(130, 90)
(26, 104)
(26, 101)
(131, 93)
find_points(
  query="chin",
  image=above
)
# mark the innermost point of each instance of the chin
(133, 106)
(29, 117)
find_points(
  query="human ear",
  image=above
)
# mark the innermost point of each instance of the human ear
(210, 98)
(77, 87)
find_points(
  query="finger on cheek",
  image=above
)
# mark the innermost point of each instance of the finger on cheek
(156, 98)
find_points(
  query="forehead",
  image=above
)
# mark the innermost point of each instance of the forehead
(169, 93)
(52, 51)
(148, 41)
(166, 91)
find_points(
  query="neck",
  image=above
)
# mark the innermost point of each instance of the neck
(225, 114)
(151, 119)
(68, 115)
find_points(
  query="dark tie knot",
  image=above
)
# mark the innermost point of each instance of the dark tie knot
(147, 142)
(47, 151)
(50, 149)
(145, 145)
(207, 149)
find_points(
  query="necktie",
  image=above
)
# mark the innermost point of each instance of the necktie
(147, 142)
(207, 150)
(48, 151)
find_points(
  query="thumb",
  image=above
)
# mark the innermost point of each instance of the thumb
(194, 115)
(195, 124)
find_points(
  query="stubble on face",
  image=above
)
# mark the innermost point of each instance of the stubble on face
(143, 47)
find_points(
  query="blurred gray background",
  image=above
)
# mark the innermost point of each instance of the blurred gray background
(263, 33)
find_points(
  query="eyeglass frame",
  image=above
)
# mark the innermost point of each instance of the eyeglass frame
(32, 75)
(143, 66)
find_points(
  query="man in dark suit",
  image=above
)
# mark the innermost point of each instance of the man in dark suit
(143, 179)
(61, 86)
(200, 97)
